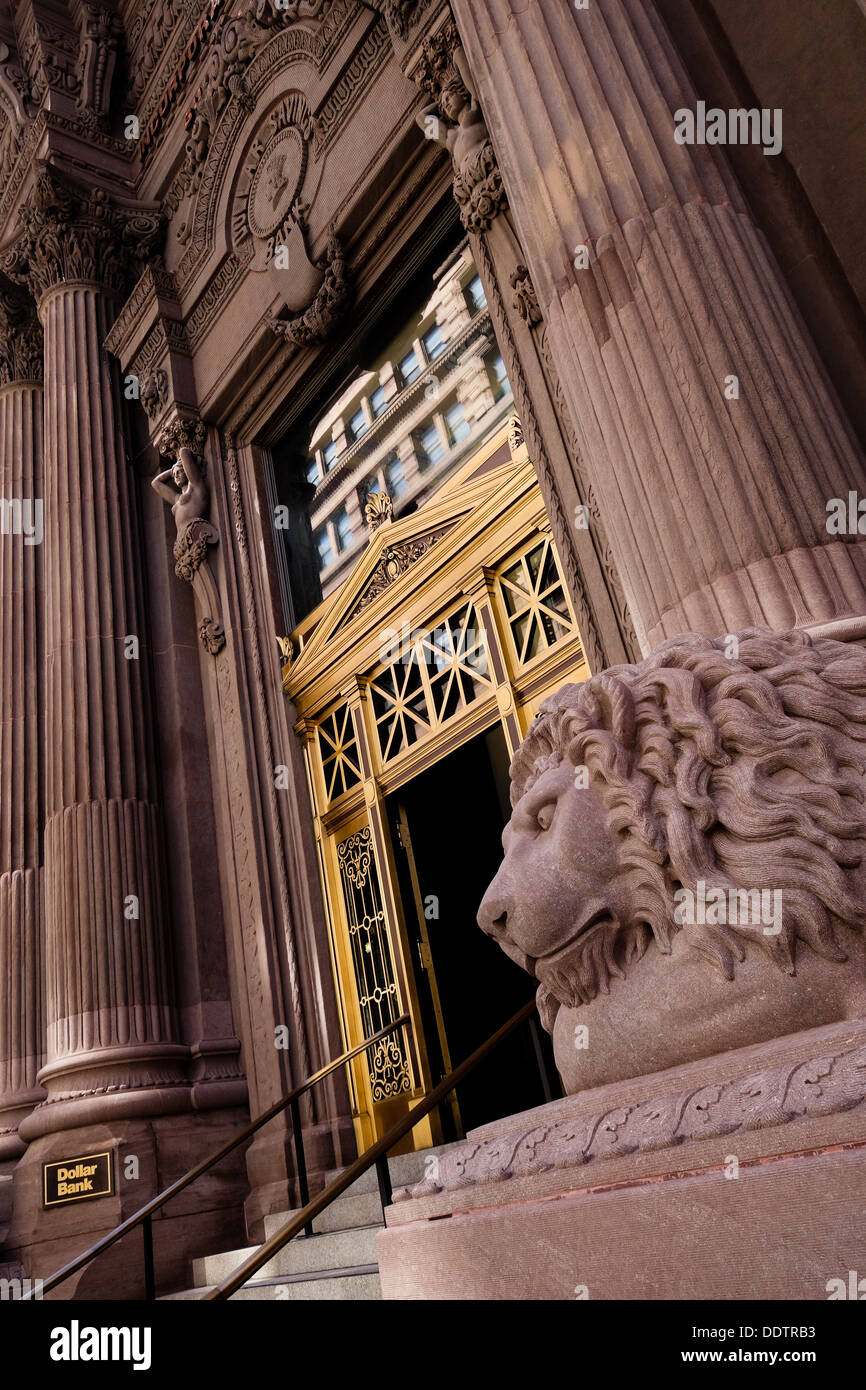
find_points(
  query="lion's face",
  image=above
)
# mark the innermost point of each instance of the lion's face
(553, 906)
(712, 777)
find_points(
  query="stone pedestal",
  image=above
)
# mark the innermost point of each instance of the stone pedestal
(740, 1176)
(711, 434)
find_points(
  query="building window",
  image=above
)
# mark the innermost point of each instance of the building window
(313, 472)
(378, 404)
(357, 425)
(410, 368)
(456, 423)
(395, 478)
(325, 548)
(329, 456)
(434, 342)
(343, 528)
(498, 378)
(475, 296)
(428, 445)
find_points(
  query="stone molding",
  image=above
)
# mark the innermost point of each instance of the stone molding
(828, 1077)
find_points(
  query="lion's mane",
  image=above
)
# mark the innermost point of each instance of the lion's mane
(692, 752)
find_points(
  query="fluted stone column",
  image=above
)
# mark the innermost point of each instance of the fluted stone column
(108, 997)
(21, 690)
(713, 493)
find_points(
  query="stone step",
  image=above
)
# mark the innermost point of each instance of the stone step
(335, 1250)
(405, 1169)
(350, 1210)
(347, 1285)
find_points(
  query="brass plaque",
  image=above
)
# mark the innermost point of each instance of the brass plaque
(78, 1179)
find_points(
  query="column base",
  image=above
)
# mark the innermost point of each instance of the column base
(206, 1218)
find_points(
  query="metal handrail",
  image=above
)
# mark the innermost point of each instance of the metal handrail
(377, 1153)
(144, 1215)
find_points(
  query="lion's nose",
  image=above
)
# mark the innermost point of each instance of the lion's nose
(493, 916)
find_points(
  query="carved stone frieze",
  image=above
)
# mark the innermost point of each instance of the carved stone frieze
(274, 177)
(455, 121)
(71, 234)
(101, 30)
(831, 1082)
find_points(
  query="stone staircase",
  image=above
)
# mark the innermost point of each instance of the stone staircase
(337, 1262)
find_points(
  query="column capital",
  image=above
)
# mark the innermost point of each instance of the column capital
(20, 339)
(72, 234)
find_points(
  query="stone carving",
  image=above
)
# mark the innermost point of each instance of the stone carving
(396, 560)
(273, 176)
(20, 340)
(332, 296)
(830, 1083)
(154, 392)
(684, 868)
(188, 497)
(101, 31)
(74, 234)
(454, 119)
(14, 87)
(525, 299)
(378, 509)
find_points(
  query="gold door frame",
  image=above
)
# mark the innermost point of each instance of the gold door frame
(486, 528)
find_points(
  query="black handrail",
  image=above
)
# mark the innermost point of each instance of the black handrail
(378, 1154)
(143, 1217)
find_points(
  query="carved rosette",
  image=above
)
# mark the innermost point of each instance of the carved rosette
(74, 235)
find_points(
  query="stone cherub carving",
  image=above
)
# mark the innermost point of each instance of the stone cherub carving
(188, 496)
(685, 864)
(455, 121)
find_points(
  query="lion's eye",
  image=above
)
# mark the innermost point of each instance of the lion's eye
(545, 815)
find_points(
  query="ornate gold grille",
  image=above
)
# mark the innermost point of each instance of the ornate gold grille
(373, 963)
(437, 674)
(338, 750)
(535, 602)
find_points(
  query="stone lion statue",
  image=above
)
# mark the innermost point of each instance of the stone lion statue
(683, 868)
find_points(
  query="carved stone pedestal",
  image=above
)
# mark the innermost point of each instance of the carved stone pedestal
(736, 1177)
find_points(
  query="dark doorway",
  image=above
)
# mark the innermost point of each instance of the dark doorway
(455, 813)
